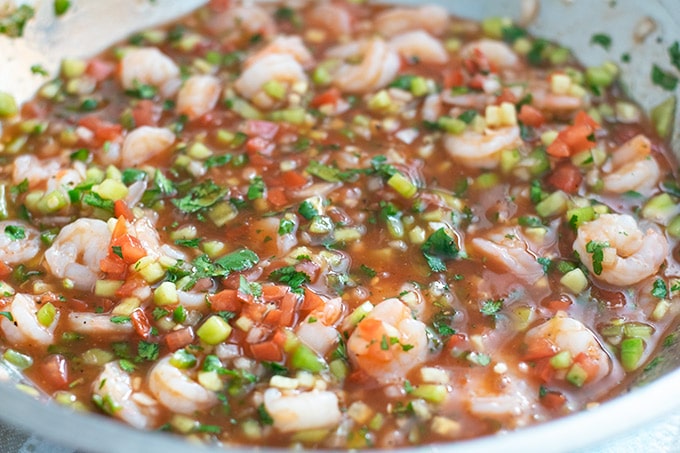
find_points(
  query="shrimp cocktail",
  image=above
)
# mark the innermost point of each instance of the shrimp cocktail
(334, 224)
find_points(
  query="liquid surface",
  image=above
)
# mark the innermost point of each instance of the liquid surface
(334, 225)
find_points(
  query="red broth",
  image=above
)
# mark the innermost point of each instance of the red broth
(338, 225)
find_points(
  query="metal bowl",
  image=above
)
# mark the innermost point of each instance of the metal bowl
(644, 30)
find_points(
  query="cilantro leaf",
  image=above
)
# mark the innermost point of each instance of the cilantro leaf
(288, 275)
(674, 54)
(15, 232)
(7, 315)
(249, 288)
(256, 188)
(264, 416)
(601, 39)
(200, 197)
(286, 226)
(307, 210)
(238, 261)
(659, 289)
(664, 79)
(596, 249)
(148, 351)
(491, 307)
(13, 24)
(438, 248)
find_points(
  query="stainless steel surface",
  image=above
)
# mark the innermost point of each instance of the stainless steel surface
(91, 25)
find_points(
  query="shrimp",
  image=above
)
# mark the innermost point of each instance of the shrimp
(15, 249)
(332, 18)
(35, 171)
(177, 391)
(98, 325)
(25, 327)
(481, 150)
(114, 387)
(496, 52)
(388, 342)
(420, 46)
(198, 95)
(628, 255)
(507, 250)
(285, 45)
(302, 411)
(562, 333)
(77, 251)
(379, 65)
(250, 19)
(283, 68)
(149, 66)
(633, 168)
(318, 329)
(144, 143)
(431, 18)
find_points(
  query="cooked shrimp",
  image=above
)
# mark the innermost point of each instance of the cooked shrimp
(302, 411)
(562, 333)
(114, 387)
(238, 20)
(507, 250)
(318, 330)
(633, 168)
(284, 45)
(283, 68)
(510, 400)
(99, 325)
(431, 18)
(177, 391)
(14, 249)
(628, 254)
(420, 46)
(77, 251)
(34, 170)
(379, 65)
(331, 18)
(388, 342)
(149, 66)
(497, 53)
(198, 95)
(25, 327)
(144, 143)
(481, 150)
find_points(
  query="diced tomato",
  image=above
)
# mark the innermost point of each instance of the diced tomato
(575, 138)
(219, 5)
(582, 118)
(131, 248)
(544, 370)
(121, 209)
(254, 311)
(566, 177)
(506, 96)
(5, 270)
(114, 266)
(558, 304)
(177, 339)
(311, 301)
(330, 96)
(454, 78)
(54, 370)
(99, 69)
(262, 129)
(531, 116)
(477, 82)
(267, 351)
(130, 286)
(540, 348)
(277, 197)
(288, 303)
(144, 114)
(588, 363)
(120, 228)
(225, 300)
(558, 149)
(33, 109)
(553, 400)
(273, 317)
(260, 160)
(454, 340)
(140, 322)
(273, 293)
(103, 130)
(292, 179)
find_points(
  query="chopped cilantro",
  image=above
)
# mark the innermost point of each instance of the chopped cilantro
(82, 154)
(384, 344)
(126, 365)
(88, 105)
(132, 175)
(141, 91)
(179, 314)
(39, 69)
(256, 188)
(601, 39)
(596, 249)
(249, 288)
(163, 184)
(408, 387)
(323, 171)
(512, 33)
(61, 6)
(120, 319)
(545, 263)
(664, 79)
(368, 271)
(19, 188)
(530, 221)
(117, 250)
(200, 197)
(148, 351)
(307, 210)
(238, 261)
(291, 277)
(659, 289)
(159, 312)
(467, 116)
(95, 200)
(7, 315)
(478, 358)
(212, 363)
(217, 161)
(264, 416)
(403, 82)
(193, 243)
(210, 429)
(13, 24)
(491, 307)
(286, 226)
(438, 248)
(276, 369)
(674, 54)
(15, 232)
